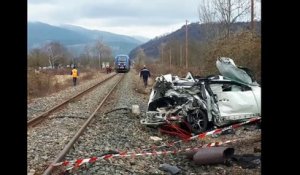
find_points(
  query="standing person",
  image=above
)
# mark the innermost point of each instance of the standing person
(145, 73)
(74, 74)
(108, 69)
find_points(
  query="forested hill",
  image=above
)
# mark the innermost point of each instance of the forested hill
(197, 33)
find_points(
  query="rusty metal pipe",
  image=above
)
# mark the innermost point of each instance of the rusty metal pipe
(212, 155)
(190, 154)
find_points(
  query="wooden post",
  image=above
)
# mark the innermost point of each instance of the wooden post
(186, 45)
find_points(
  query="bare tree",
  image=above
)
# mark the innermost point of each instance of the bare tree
(102, 51)
(98, 47)
(162, 47)
(56, 53)
(37, 58)
(140, 57)
(207, 17)
(86, 58)
(226, 12)
(107, 53)
(230, 11)
(206, 12)
(87, 51)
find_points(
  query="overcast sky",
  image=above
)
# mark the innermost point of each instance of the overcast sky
(148, 18)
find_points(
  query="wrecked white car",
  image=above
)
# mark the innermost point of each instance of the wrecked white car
(221, 99)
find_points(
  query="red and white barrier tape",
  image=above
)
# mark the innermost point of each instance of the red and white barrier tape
(216, 131)
(220, 130)
(79, 162)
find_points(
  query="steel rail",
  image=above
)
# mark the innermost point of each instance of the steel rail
(41, 117)
(62, 154)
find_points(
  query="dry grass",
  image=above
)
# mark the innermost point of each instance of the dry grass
(38, 84)
(51, 81)
(244, 48)
(159, 69)
(139, 85)
(87, 75)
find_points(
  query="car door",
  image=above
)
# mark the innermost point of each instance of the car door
(235, 101)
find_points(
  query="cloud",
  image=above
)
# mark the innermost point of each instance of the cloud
(116, 15)
(149, 31)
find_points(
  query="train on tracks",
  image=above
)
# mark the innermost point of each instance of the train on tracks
(122, 63)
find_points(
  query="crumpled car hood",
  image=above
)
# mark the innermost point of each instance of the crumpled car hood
(227, 68)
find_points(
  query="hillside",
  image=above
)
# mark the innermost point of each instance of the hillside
(196, 33)
(39, 33)
(75, 38)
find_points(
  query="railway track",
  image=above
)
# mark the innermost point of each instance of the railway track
(41, 139)
(36, 120)
(114, 129)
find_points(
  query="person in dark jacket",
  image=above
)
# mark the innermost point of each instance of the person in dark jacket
(145, 73)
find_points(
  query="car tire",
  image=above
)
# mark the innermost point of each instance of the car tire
(198, 121)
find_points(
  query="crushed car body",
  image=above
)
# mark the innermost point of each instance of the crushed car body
(221, 99)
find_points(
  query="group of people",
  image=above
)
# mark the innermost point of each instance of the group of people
(144, 73)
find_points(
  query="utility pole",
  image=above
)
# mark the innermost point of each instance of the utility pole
(170, 59)
(162, 55)
(99, 61)
(186, 45)
(180, 55)
(252, 15)
(162, 52)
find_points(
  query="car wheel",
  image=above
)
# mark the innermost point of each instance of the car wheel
(198, 121)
